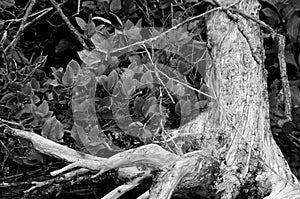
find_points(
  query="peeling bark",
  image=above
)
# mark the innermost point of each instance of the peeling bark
(236, 74)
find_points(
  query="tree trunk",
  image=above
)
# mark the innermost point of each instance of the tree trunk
(239, 118)
(236, 130)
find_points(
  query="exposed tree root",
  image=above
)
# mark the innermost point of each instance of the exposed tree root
(194, 169)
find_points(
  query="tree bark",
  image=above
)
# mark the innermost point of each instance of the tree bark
(240, 115)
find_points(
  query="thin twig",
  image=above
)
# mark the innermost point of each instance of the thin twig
(11, 123)
(186, 85)
(39, 16)
(165, 32)
(32, 15)
(21, 28)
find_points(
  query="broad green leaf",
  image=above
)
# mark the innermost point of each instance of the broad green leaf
(137, 106)
(170, 84)
(135, 58)
(133, 35)
(128, 73)
(104, 102)
(81, 23)
(50, 96)
(99, 69)
(90, 28)
(80, 116)
(85, 79)
(178, 37)
(293, 23)
(269, 13)
(295, 96)
(201, 104)
(179, 90)
(108, 83)
(115, 5)
(75, 66)
(128, 25)
(128, 86)
(146, 133)
(89, 4)
(147, 78)
(35, 99)
(103, 44)
(43, 109)
(156, 121)
(27, 89)
(90, 57)
(53, 129)
(183, 107)
(35, 84)
(289, 57)
(82, 107)
(68, 77)
(106, 114)
(79, 135)
(112, 80)
(93, 136)
(152, 110)
(135, 128)
(21, 97)
(182, 67)
(150, 106)
(122, 119)
(139, 23)
(102, 80)
(97, 39)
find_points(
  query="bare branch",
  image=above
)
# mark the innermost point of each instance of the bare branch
(67, 21)
(21, 28)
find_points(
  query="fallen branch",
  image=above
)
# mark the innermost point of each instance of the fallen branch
(151, 154)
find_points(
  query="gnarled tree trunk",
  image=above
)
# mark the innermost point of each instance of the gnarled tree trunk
(241, 113)
(236, 130)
